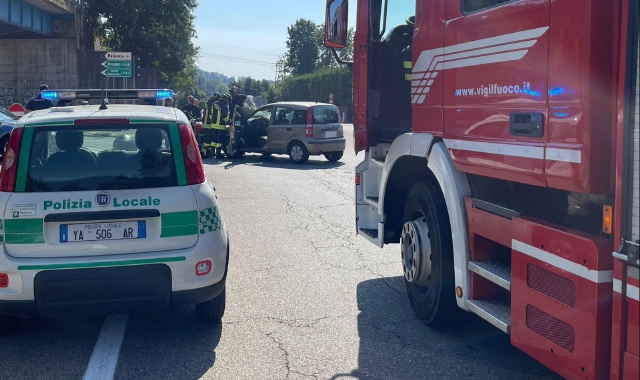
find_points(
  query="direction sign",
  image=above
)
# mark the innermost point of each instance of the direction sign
(117, 56)
(117, 64)
(121, 73)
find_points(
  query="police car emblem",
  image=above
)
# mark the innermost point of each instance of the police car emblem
(102, 199)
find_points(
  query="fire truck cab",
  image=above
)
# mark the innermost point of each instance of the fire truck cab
(501, 141)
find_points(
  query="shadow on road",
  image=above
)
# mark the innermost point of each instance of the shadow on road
(169, 345)
(281, 162)
(394, 344)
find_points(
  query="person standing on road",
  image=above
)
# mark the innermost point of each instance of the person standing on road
(219, 121)
(192, 108)
(38, 102)
(168, 102)
(236, 99)
(208, 119)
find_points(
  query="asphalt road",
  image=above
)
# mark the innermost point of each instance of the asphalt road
(306, 299)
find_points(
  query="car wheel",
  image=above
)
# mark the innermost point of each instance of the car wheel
(8, 324)
(212, 310)
(232, 151)
(3, 143)
(298, 153)
(427, 255)
(333, 156)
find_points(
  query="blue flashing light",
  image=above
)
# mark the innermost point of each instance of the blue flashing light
(51, 95)
(556, 91)
(531, 92)
(561, 114)
(164, 94)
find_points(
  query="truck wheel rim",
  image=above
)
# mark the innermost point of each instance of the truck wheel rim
(416, 252)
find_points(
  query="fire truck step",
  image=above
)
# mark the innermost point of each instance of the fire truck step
(373, 201)
(496, 312)
(495, 271)
(496, 209)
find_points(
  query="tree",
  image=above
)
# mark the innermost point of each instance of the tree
(302, 51)
(159, 33)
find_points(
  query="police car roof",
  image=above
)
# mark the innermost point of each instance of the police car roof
(66, 115)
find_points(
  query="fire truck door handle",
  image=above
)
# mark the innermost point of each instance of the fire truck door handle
(526, 124)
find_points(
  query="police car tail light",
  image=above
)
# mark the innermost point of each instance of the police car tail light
(4, 280)
(308, 131)
(192, 160)
(10, 161)
(203, 268)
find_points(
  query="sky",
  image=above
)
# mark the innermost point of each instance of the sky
(250, 30)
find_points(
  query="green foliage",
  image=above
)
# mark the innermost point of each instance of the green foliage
(159, 33)
(302, 49)
(325, 56)
(317, 86)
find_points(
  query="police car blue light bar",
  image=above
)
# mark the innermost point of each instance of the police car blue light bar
(99, 94)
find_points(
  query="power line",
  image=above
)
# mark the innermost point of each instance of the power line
(239, 48)
(236, 59)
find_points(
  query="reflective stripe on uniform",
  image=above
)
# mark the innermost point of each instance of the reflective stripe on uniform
(408, 65)
(407, 76)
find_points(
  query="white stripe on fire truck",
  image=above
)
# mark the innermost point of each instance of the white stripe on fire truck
(524, 151)
(633, 292)
(599, 277)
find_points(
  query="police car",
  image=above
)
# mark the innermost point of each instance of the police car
(106, 209)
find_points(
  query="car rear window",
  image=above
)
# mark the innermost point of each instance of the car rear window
(325, 115)
(70, 158)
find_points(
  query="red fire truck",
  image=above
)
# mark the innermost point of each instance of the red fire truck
(501, 152)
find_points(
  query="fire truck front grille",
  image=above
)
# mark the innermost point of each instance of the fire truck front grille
(551, 285)
(551, 328)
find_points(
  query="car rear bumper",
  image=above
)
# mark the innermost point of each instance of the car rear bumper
(326, 146)
(111, 290)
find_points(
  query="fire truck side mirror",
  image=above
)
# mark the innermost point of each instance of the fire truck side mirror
(336, 24)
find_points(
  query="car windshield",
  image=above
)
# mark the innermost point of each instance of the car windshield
(6, 115)
(325, 115)
(100, 158)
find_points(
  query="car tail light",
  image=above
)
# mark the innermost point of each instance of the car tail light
(308, 131)
(4, 280)
(192, 160)
(10, 161)
(203, 268)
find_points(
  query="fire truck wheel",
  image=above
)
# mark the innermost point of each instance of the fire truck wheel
(427, 255)
(8, 324)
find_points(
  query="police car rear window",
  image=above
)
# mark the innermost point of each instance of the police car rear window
(70, 158)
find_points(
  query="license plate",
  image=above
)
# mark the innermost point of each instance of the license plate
(330, 134)
(70, 233)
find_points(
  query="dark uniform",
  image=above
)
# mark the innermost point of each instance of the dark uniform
(215, 124)
(193, 110)
(38, 103)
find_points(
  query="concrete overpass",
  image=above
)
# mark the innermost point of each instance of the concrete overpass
(34, 18)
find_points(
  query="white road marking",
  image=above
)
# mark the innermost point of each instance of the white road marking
(104, 359)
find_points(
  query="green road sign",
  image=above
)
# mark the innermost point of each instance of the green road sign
(122, 73)
(117, 64)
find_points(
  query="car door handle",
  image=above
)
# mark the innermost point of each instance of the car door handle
(526, 124)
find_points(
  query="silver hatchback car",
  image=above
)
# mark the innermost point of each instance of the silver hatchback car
(299, 129)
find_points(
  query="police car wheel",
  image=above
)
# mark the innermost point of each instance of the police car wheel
(212, 310)
(298, 153)
(427, 253)
(8, 324)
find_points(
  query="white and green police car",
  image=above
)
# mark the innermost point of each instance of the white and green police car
(105, 209)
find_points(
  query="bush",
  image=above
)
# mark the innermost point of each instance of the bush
(317, 86)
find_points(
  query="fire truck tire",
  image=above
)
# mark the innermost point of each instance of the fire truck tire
(8, 324)
(435, 302)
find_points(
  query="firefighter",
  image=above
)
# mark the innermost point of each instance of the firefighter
(192, 108)
(221, 121)
(209, 113)
(237, 99)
